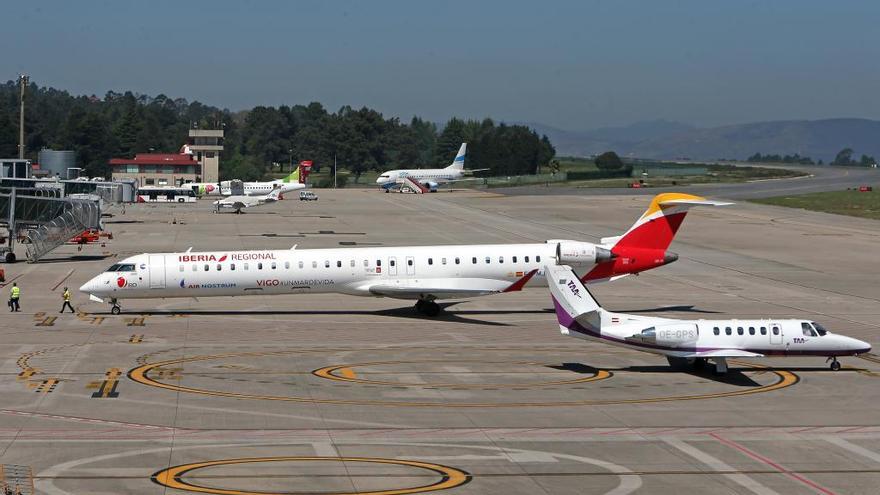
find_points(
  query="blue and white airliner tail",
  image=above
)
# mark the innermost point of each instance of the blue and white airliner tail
(693, 342)
(458, 163)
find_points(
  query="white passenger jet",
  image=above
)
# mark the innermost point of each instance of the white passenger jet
(420, 180)
(421, 273)
(237, 203)
(693, 342)
(224, 188)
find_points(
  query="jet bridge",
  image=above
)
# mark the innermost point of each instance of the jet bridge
(44, 220)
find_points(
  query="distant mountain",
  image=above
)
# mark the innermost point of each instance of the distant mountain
(818, 139)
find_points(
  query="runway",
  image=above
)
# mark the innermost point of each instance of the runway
(338, 394)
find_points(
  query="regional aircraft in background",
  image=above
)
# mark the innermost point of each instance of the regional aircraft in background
(290, 183)
(237, 203)
(690, 342)
(420, 180)
(422, 273)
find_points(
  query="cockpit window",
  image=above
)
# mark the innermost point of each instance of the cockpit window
(122, 267)
(807, 329)
(819, 328)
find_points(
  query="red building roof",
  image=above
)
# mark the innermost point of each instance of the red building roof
(155, 159)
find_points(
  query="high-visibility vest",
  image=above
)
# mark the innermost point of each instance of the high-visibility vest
(14, 293)
(67, 295)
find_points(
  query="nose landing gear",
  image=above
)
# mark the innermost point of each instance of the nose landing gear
(835, 364)
(115, 308)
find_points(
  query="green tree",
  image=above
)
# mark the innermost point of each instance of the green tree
(844, 157)
(609, 161)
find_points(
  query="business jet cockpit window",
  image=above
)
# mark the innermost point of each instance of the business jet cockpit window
(820, 329)
(807, 329)
(122, 267)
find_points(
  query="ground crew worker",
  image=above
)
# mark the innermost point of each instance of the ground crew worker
(66, 296)
(14, 294)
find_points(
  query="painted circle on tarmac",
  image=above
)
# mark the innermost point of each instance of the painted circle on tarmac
(345, 373)
(449, 477)
(142, 375)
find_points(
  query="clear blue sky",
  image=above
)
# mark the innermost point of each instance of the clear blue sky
(574, 65)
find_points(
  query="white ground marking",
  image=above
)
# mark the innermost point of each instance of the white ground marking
(718, 465)
(856, 449)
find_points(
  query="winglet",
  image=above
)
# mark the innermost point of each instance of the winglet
(519, 284)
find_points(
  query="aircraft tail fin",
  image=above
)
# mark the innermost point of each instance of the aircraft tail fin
(656, 228)
(576, 308)
(458, 163)
(293, 177)
(644, 245)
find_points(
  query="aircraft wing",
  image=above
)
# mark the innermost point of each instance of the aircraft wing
(725, 353)
(449, 288)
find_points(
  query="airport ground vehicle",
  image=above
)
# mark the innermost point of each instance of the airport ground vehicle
(166, 195)
(308, 196)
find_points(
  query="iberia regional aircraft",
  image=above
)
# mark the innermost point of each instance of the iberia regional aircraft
(422, 273)
(224, 188)
(690, 342)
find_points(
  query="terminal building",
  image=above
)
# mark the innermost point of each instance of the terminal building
(156, 169)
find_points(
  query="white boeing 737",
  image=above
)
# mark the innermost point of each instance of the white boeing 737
(421, 273)
(691, 342)
(426, 179)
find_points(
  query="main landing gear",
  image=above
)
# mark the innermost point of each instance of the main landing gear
(427, 308)
(115, 308)
(835, 364)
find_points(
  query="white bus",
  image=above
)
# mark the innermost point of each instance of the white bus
(166, 195)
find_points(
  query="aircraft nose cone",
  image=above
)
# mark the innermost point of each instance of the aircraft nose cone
(86, 287)
(859, 347)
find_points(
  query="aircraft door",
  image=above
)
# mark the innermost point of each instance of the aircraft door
(410, 266)
(775, 334)
(157, 272)
(392, 266)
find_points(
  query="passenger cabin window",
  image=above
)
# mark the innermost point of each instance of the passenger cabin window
(537, 259)
(273, 265)
(501, 259)
(751, 330)
(379, 263)
(326, 263)
(457, 261)
(513, 259)
(442, 261)
(430, 261)
(181, 267)
(409, 262)
(287, 265)
(392, 263)
(807, 329)
(716, 330)
(247, 266)
(259, 266)
(314, 264)
(352, 263)
(775, 330)
(527, 259)
(338, 263)
(300, 265)
(763, 330)
(232, 267)
(219, 267)
(728, 330)
(488, 260)
(474, 260)
(207, 267)
(366, 263)
(739, 330)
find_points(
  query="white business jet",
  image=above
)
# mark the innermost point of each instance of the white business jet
(691, 342)
(237, 203)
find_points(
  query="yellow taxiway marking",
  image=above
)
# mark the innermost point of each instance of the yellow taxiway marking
(140, 375)
(449, 477)
(345, 373)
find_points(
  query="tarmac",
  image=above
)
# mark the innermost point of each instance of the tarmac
(340, 394)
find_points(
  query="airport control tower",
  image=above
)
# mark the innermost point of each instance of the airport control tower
(206, 145)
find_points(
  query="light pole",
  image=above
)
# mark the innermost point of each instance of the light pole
(290, 151)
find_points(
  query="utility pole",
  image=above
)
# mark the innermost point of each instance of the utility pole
(334, 170)
(23, 81)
